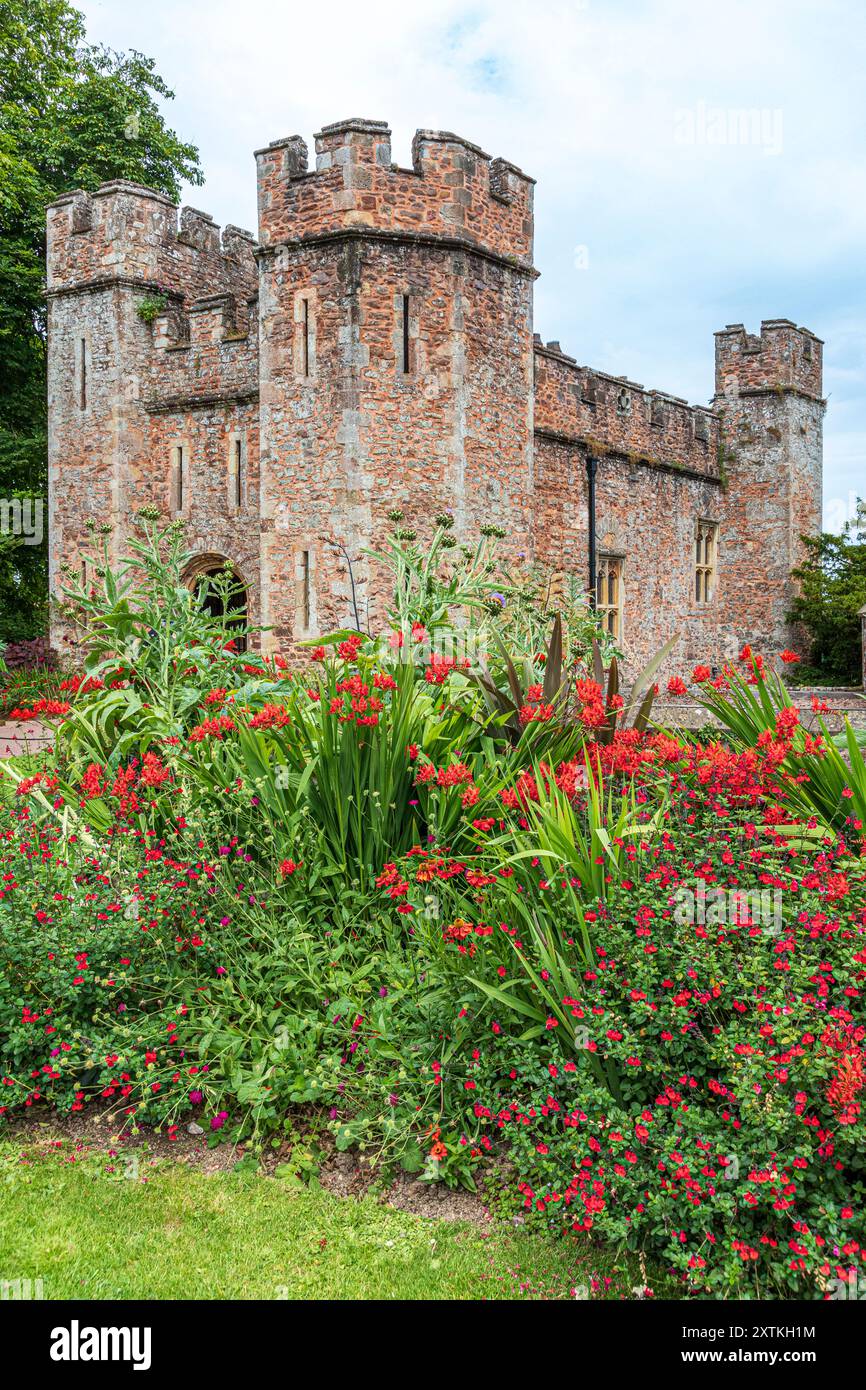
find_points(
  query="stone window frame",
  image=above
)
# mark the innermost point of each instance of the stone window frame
(305, 315)
(406, 333)
(82, 370)
(305, 568)
(238, 453)
(206, 562)
(180, 476)
(610, 597)
(706, 560)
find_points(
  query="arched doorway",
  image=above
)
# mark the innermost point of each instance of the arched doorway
(222, 589)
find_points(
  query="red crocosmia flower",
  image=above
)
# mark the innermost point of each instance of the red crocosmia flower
(271, 717)
(349, 649)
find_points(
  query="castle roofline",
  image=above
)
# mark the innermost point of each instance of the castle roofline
(736, 329)
(107, 190)
(362, 124)
(555, 351)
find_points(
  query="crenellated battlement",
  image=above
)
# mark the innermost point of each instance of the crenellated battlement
(218, 318)
(453, 192)
(127, 233)
(622, 416)
(782, 357)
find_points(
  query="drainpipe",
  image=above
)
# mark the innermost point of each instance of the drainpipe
(591, 470)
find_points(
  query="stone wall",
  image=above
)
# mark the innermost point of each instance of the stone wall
(645, 516)
(768, 394)
(375, 351)
(124, 390)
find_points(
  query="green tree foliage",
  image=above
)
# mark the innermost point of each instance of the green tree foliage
(832, 591)
(72, 115)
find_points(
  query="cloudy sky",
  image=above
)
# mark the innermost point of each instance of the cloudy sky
(698, 164)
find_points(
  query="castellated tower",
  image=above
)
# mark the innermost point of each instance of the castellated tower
(769, 395)
(151, 410)
(396, 360)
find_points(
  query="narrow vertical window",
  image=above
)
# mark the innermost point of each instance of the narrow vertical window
(306, 597)
(179, 480)
(82, 375)
(608, 594)
(706, 542)
(306, 340)
(239, 473)
(406, 357)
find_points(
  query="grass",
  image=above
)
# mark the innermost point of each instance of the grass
(91, 1228)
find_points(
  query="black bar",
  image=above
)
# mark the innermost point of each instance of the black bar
(591, 470)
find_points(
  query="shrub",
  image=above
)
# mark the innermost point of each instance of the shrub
(832, 584)
(678, 1073)
(102, 959)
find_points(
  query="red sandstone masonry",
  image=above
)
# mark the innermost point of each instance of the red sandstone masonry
(781, 357)
(615, 414)
(293, 351)
(769, 394)
(130, 233)
(356, 436)
(452, 190)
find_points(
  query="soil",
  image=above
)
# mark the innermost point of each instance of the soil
(344, 1175)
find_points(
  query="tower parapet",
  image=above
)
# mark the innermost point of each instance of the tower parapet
(453, 190)
(125, 233)
(782, 357)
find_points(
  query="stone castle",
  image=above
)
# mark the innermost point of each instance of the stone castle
(373, 349)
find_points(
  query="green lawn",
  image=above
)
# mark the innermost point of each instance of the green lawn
(168, 1231)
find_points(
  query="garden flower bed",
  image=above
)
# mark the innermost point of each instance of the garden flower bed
(459, 904)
